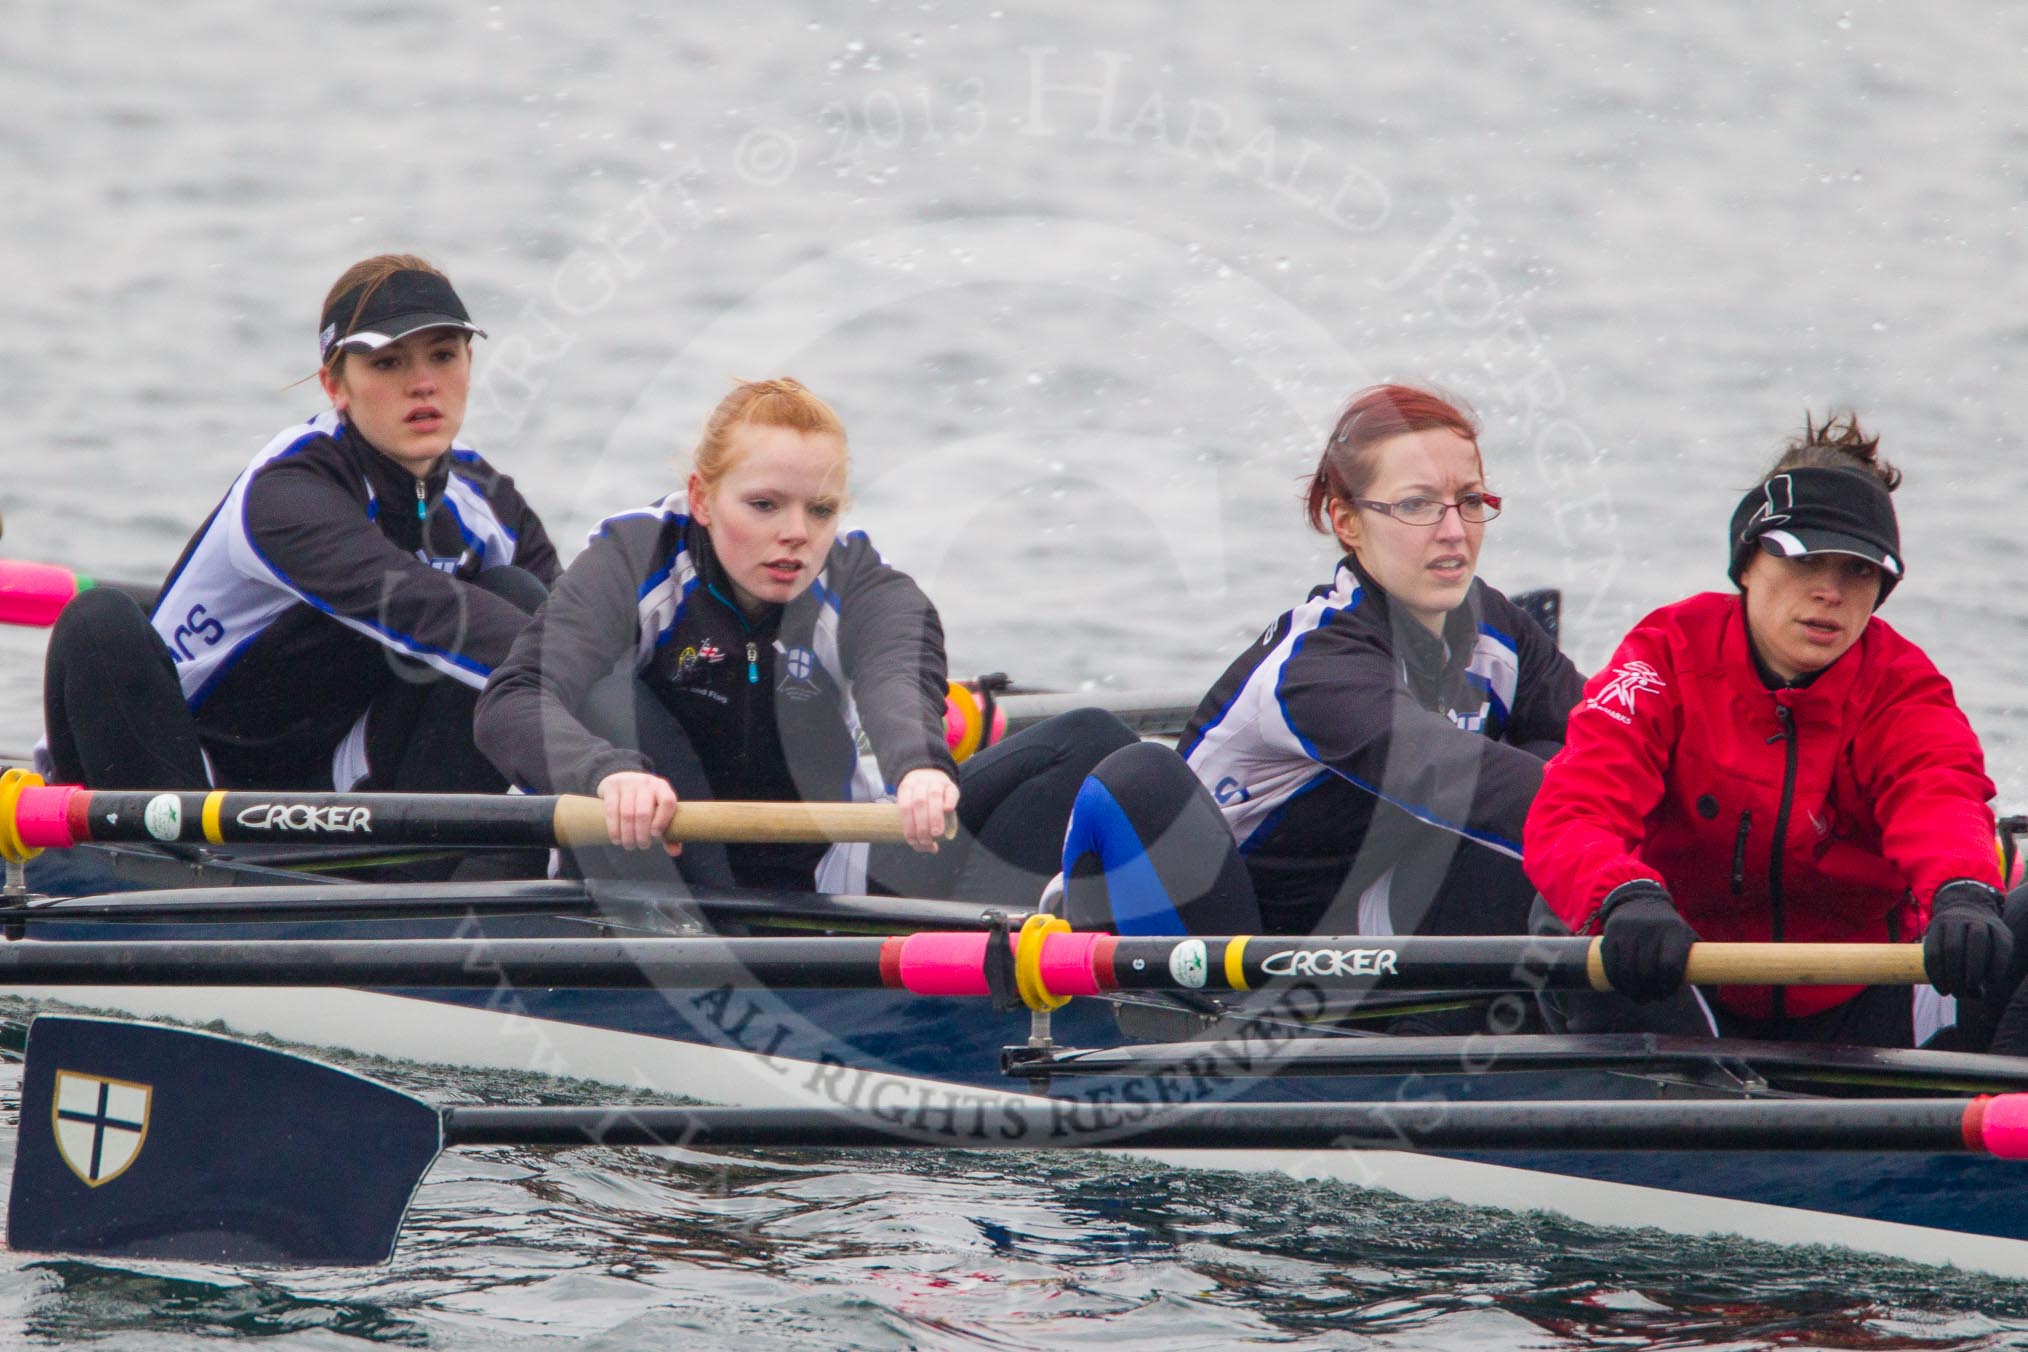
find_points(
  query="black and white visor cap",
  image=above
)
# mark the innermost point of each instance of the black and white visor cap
(407, 302)
(1801, 512)
(1797, 544)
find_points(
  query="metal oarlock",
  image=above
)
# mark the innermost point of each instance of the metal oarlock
(14, 895)
(1033, 1058)
(1038, 1030)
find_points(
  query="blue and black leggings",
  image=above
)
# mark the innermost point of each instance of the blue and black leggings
(1148, 852)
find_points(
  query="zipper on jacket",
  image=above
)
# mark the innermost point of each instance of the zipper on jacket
(752, 679)
(1739, 853)
(1787, 736)
(422, 502)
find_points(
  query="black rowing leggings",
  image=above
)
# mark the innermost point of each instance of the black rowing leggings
(115, 715)
(1148, 852)
(1013, 800)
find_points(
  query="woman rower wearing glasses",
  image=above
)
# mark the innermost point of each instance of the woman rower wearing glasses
(1778, 764)
(1365, 766)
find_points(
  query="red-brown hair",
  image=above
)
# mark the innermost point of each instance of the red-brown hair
(782, 402)
(1347, 466)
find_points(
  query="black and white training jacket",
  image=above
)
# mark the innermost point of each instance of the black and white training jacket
(832, 697)
(324, 561)
(1349, 732)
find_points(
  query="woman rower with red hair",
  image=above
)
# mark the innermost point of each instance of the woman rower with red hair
(1365, 766)
(730, 641)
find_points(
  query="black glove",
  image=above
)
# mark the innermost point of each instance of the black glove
(1646, 942)
(1968, 947)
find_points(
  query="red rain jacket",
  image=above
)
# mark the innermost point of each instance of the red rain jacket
(1836, 823)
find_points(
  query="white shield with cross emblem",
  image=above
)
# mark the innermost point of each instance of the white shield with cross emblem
(100, 1124)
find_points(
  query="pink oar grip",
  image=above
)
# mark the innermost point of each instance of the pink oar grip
(944, 964)
(2003, 1126)
(43, 817)
(33, 593)
(1067, 963)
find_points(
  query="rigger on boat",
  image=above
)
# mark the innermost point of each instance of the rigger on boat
(1359, 780)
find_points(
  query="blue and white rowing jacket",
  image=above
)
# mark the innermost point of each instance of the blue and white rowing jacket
(1349, 733)
(324, 562)
(832, 697)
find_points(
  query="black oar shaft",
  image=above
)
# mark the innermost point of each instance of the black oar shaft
(625, 901)
(927, 963)
(63, 816)
(1350, 962)
(953, 1119)
(290, 818)
(1520, 962)
(829, 963)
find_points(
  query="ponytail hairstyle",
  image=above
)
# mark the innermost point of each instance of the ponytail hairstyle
(782, 402)
(1348, 465)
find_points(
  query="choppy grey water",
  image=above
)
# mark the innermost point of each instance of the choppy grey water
(1086, 285)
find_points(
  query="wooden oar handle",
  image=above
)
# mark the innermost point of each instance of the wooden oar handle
(581, 820)
(1791, 965)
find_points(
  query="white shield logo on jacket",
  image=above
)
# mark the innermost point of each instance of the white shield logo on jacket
(100, 1124)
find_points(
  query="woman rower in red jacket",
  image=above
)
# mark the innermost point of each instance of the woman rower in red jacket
(1779, 765)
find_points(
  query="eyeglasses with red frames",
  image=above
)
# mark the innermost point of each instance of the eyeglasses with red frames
(1473, 507)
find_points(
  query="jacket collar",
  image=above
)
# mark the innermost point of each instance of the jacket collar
(1827, 693)
(1429, 661)
(390, 480)
(712, 576)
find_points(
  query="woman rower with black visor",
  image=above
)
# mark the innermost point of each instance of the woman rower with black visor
(332, 622)
(1779, 764)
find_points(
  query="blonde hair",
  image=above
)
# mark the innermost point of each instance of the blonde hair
(782, 402)
(371, 274)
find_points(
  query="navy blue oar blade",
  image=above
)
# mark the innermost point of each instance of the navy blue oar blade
(139, 1141)
(146, 1142)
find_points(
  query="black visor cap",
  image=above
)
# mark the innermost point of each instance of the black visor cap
(407, 302)
(1813, 510)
